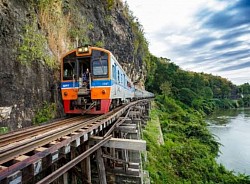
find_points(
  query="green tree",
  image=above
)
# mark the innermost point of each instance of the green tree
(166, 88)
(186, 96)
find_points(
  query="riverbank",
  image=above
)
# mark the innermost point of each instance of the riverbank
(188, 154)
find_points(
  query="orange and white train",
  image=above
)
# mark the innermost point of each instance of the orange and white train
(93, 82)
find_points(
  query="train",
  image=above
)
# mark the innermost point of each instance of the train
(93, 82)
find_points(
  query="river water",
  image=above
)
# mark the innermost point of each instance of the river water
(232, 129)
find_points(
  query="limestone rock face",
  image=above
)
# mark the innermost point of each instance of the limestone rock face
(25, 87)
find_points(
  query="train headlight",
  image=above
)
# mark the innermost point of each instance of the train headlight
(84, 49)
(103, 91)
(65, 94)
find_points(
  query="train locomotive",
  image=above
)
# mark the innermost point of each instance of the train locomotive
(93, 82)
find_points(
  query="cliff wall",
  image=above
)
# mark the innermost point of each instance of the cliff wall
(34, 34)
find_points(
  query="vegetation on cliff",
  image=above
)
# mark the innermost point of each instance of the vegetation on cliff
(189, 150)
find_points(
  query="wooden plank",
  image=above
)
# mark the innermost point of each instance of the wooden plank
(20, 158)
(65, 137)
(2, 167)
(53, 143)
(130, 144)
(40, 149)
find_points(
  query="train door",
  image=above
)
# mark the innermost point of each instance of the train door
(83, 75)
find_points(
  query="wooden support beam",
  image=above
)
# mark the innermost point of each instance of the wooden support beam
(124, 178)
(54, 156)
(73, 176)
(130, 164)
(37, 167)
(129, 171)
(100, 167)
(65, 178)
(128, 121)
(65, 149)
(127, 128)
(86, 167)
(76, 142)
(130, 144)
(136, 121)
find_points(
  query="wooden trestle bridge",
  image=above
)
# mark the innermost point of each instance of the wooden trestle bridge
(87, 149)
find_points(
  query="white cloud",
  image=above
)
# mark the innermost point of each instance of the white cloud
(197, 35)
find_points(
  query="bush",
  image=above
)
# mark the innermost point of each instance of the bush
(4, 130)
(46, 113)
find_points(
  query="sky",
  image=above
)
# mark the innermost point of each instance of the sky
(210, 36)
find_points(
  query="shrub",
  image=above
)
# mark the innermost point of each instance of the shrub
(46, 113)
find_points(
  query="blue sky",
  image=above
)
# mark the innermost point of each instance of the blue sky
(211, 36)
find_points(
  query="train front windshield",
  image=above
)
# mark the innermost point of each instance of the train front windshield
(74, 66)
(99, 63)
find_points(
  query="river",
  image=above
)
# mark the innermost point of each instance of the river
(232, 129)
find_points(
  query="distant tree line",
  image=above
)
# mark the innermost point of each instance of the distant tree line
(201, 91)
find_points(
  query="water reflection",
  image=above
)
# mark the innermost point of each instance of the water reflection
(232, 129)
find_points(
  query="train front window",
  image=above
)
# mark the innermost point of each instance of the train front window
(99, 64)
(100, 67)
(69, 68)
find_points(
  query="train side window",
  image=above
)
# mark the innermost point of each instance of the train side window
(121, 78)
(118, 76)
(124, 80)
(114, 72)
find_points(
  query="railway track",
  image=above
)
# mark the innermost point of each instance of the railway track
(16, 136)
(23, 141)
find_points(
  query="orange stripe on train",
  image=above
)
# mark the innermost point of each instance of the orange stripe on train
(100, 93)
(69, 94)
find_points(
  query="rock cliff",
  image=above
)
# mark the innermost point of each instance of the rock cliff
(34, 34)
